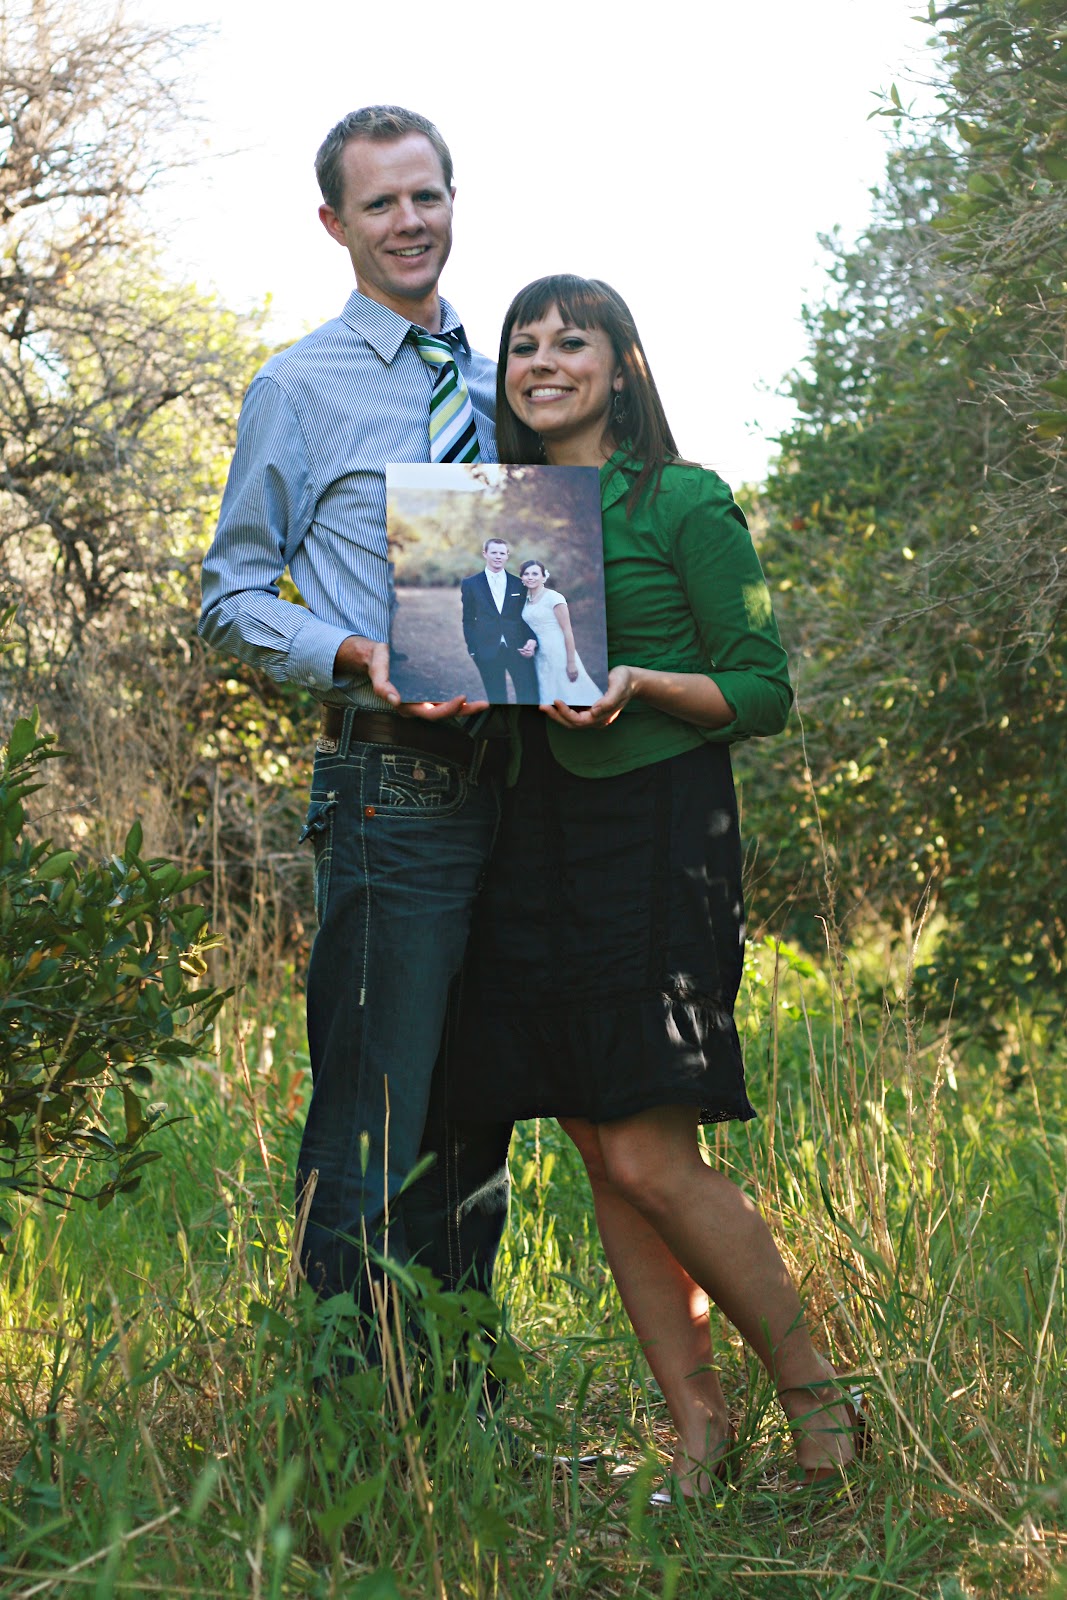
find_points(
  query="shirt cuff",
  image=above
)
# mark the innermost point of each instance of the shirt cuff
(759, 706)
(312, 653)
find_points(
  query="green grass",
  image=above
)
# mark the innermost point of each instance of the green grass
(163, 1433)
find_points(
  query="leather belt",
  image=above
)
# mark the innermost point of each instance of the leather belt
(414, 733)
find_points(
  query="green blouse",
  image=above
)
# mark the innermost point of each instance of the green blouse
(685, 593)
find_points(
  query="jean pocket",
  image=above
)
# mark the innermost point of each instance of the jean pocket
(409, 781)
(318, 827)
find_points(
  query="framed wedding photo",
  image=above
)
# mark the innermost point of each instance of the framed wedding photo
(497, 583)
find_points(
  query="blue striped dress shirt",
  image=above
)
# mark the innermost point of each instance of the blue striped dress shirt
(306, 491)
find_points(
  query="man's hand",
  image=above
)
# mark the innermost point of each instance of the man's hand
(371, 656)
(528, 648)
(356, 654)
(437, 710)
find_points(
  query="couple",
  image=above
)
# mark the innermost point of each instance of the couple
(515, 627)
(631, 799)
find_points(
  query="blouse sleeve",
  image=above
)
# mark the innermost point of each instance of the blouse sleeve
(731, 604)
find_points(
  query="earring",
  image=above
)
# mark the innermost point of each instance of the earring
(618, 407)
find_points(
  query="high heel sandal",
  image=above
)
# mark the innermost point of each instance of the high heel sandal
(859, 1427)
(726, 1468)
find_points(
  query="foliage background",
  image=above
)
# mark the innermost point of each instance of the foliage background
(906, 1019)
(914, 531)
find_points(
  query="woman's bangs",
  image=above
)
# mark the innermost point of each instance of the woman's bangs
(579, 302)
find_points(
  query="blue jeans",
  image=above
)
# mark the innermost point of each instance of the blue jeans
(401, 842)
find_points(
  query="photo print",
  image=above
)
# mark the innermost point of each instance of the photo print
(497, 583)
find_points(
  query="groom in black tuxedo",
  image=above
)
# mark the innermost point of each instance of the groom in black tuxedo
(497, 638)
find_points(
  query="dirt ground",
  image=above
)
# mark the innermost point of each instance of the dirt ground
(428, 629)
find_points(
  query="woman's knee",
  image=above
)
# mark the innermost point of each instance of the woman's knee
(631, 1160)
(654, 1159)
(586, 1139)
(644, 1177)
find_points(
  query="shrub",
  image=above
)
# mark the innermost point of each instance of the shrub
(101, 969)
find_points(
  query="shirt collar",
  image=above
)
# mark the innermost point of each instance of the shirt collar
(613, 480)
(385, 331)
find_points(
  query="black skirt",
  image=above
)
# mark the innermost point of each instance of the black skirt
(607, 945)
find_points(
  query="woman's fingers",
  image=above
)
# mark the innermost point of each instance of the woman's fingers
(602, 712)
(568, 717)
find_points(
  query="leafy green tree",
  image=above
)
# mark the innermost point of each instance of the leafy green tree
(915, 534)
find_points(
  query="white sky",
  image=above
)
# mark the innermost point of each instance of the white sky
(423, 475)
(689, 154)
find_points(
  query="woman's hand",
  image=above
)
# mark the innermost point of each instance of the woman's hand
(689, 696)
(572, 670)
(622, 686)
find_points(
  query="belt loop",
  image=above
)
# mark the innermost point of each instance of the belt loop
(346, 733)
(477, 757)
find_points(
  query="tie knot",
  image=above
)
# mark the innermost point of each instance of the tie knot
(437, 352)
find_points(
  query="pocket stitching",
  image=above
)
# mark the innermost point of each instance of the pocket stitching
(397, 785)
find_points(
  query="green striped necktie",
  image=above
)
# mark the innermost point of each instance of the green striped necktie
(453, 435)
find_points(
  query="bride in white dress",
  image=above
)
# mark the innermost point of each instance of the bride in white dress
(560, 674)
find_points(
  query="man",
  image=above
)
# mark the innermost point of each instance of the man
(498, 640)
(404, 803)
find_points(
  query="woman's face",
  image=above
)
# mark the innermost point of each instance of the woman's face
(533, 576)
(561, 380)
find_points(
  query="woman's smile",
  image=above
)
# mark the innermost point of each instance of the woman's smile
(547, 392)
(561, 381)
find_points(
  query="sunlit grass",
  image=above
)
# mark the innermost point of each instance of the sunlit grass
(173, 1423)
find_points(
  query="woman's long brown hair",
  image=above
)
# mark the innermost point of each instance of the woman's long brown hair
(639, 425)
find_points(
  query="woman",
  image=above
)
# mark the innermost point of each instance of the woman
(560, 674)
(615, 889)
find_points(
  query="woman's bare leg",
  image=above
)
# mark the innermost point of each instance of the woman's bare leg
(721, 1241)
(669, 1313)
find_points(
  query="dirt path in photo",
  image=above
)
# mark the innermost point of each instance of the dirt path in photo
(428, 629)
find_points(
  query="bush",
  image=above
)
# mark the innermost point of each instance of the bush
(101, 969)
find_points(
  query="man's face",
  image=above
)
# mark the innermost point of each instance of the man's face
(496, 555)
(395, 219)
